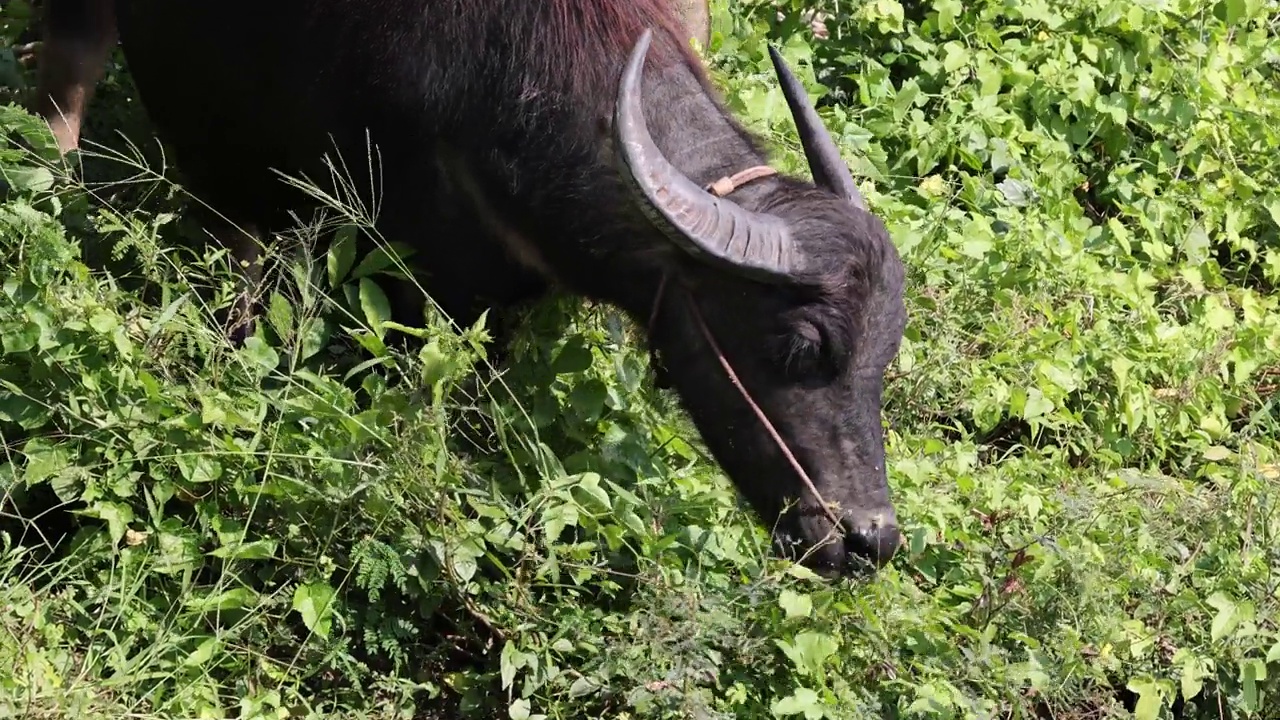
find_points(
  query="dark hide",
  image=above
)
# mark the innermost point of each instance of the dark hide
(501, 112)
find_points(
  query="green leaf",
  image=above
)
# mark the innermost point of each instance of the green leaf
(342, 253)
(1233, 11)
(104, 321)
(436, 365)
(801, 702)
(1273, 209)
(919, 541)
(1273, 654)
(889, 14)
(199, 467)
(555, 518)
(1037, 404)
(420, 333)
(795, 604)
(1016, 192)
(1216, 453)
(1252, 672)
(990, 79)
(509, 661)
(582, 687)
(29, 179)
(117, 516)
(381, 258)
(955, 57)
(809, 650)
(1192, 679)
(315, 334)
(934, 698)
(1196, 245)
(1227, 618)
(905, 98)
(20, 338)
(203, 652)
(260, 354)
(233, 599)
(815, 647)
(948, 11)
(280, 315)
(167, 315)
(464, 568)
(1217, 315)
(254, 550)
(588, 398)
(373, 302)
(976, 247)
(177, 548)
(1150, 699)
(595, 496)
(463, 556)
(45, 459)
(314, 603)
(796, 570)
(575, 356)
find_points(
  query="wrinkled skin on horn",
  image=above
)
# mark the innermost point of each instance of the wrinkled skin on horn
(801, 289)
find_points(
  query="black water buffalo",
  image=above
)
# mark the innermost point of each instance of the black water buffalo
(521, 144)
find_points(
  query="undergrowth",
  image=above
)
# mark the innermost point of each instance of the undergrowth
(1082, 432)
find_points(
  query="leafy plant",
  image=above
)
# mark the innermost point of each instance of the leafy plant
(331, 522)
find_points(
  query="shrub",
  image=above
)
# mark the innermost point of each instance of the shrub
(1083, 433)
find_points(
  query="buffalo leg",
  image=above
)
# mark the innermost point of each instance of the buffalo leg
(247, 252)
(78, 38)
(243, 241)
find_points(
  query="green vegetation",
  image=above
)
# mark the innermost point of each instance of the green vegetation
(1082, 425)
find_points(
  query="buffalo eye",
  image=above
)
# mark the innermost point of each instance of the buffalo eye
(807, 351)
(810, 335)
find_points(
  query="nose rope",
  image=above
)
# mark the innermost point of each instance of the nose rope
(733, 377)
(726, 185)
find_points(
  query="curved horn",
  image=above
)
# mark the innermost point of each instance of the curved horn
(754, 244)
(828, 169)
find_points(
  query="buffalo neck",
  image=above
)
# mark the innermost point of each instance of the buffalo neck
(547, 174)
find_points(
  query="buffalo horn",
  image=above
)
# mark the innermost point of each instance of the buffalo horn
(716, 229)
(828, 169)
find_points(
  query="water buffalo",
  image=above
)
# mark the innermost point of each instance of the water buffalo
(576, 143)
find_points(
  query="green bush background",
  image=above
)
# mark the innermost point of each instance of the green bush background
(1081, 422)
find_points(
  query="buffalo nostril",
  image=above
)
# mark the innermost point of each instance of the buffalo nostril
(875, 546)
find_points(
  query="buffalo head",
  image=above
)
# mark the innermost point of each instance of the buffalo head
(776, 329)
